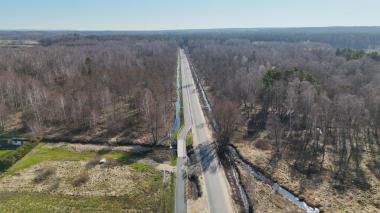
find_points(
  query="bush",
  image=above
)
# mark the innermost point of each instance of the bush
(55, 184)
(263, 144)
(43, 174)
(81, 179)
(92, 163)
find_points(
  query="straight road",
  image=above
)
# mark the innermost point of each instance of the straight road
(180, 198)
(219, 200)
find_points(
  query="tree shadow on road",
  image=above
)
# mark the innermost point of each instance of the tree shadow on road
(208, 155)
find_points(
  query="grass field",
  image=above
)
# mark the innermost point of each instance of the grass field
(44, 152)
(47, 202)
(5, 152)
(132, 185)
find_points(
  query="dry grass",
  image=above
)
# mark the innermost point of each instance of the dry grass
(92, 162)
(316, 189)
(263, 198)
(81, 179)
(263, 144)
(44, 173)
(83, 185)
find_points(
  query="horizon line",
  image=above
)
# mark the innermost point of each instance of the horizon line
(184, 29)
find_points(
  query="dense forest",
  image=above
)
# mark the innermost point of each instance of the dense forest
(338, 37)
(312, 99)
(104, 86)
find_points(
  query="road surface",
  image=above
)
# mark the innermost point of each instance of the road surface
(218, 197)
(180, 198)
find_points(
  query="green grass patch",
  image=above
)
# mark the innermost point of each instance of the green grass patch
(178, 131)
(143, 167)
(189, 139)
(150, 194)
(181, 112)
(173, 160)
(168, 197)
(5, 152)
(115, 155)
(180, 99)
(43, 152)
(10, 159)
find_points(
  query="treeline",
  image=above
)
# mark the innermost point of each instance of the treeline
(313, 103)
(338, 37)
(351, 54)
(109, 86)
(354, 40)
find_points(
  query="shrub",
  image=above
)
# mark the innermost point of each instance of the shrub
(55, 184)
(263, 144)
(92, 163)
(81, 179)
(43, 174)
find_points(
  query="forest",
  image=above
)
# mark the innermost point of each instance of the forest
(318, 105)
(309, 100)
(105, 87)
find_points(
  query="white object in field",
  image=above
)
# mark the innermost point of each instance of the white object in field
(16, 143)
(181, 148)
(102, 161)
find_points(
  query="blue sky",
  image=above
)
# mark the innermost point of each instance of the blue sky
(181, 14)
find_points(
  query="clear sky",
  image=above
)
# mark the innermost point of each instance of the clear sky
(184, 14)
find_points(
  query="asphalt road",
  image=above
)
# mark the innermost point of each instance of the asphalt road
(218, 196)
(180, 199)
